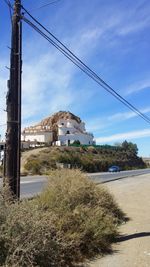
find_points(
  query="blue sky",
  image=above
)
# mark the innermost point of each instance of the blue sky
(112, 37)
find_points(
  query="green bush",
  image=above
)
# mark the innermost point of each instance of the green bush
(70, 221)
(76, 142)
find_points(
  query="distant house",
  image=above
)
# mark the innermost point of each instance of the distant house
(62, 128)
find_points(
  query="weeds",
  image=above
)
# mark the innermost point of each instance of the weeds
(70, 221)
(89, 159)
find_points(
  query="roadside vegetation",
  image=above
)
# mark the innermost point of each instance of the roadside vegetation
(86, 158)
(1, 170)
(71, 221)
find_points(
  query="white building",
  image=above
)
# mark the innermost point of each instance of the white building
(62, 128)
(37, 134)
(70, 130)
(2, 146)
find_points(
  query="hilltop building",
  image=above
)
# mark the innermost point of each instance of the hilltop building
(62, 128)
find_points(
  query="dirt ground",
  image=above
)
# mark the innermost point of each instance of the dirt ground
(133, 248)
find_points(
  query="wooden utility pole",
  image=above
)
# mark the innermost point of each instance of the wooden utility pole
(13, 134)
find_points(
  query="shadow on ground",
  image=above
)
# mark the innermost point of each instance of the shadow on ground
(132, 236)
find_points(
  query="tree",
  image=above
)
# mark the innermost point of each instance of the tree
(129, 146)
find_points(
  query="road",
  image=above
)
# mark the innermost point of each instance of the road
(32, 185)
(104, 177)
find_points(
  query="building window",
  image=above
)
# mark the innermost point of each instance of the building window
(67, 132)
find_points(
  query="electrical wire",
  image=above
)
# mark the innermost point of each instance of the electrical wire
(7, 2)
(78, 62)
(82, 62)
(71, 56)
(87, 70)
(46, 37)
(45, 5)
(10, 13)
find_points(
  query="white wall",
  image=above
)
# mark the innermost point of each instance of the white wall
(84, 139)
(70, 125)
(43, 137)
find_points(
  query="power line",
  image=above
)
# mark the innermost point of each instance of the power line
(10, 9)
(84, 67)
(7, 2)
(71, 56)
(84, 64)
(75, 62)
(45, 5)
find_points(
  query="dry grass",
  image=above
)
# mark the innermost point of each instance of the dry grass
(71, 221)
(89, 159)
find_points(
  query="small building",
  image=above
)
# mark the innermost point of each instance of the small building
(62, 128)
(70, 130)
(37, 134)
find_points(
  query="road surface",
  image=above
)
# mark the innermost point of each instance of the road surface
(32, 185)
(104, 177)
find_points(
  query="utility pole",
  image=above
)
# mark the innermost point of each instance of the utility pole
(13, 134)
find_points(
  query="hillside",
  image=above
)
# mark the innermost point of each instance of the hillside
(89, 159)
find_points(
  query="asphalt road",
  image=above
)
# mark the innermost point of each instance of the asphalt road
(104, 177)
(32, 185)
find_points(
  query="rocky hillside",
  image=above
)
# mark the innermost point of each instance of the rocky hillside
(50, 121)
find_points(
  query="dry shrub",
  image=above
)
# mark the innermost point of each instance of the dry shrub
(72, 220)
(87, 158)
(33, 165)
(29, 237)
(68, 189)
(87, 214)
(1, 170)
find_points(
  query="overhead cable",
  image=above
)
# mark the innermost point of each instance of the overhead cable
(7, 2)
(71, 56)
(45, 5)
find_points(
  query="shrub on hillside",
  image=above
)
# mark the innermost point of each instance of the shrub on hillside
(86, 158)
(70, 221)
(33, 166)
(76, 142)
(39, 165)
(1, 170)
